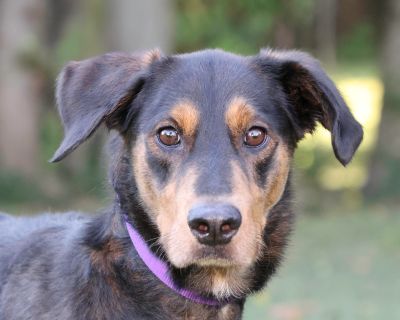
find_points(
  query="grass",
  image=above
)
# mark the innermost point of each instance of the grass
(337, 267)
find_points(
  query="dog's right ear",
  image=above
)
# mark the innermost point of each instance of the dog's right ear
(312, 96)
(89, 92)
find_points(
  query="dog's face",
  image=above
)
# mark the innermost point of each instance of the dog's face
(211, 157)
(210, 136)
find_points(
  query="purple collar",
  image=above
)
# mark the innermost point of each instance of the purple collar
(160, 269)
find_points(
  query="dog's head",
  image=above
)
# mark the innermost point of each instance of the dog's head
(210, 137)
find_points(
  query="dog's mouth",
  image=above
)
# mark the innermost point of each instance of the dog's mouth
(222, 270)
(217, 256)
(210, 239)
(241, 254)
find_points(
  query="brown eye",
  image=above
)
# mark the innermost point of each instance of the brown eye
(169, 136)
(255, 137)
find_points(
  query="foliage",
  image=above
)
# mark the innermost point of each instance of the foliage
(358, 45)
(239, 26)
(15, 188)
(61, 183)
(242, 26)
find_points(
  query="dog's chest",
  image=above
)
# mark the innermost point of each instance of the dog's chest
(199, 312)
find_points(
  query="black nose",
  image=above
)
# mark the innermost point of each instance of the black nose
(214, 224)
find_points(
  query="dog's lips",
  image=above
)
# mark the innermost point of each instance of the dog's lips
(202, 255)
(213, 256)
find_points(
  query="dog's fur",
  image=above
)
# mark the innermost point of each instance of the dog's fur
(74, 266)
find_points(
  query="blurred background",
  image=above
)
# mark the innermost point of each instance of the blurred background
(344, 257)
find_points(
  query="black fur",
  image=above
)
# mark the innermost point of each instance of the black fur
(262, 168)
(76, 266)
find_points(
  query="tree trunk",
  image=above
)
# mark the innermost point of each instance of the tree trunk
(141, 25)
(384, 178)
(325, 30)
(20, 25)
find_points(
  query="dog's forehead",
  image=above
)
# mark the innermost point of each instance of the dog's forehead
(213, 77)
(209, 81)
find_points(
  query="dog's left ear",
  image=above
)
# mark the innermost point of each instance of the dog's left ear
(313, 97)
(95, 90)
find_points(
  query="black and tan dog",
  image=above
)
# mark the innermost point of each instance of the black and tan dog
(201, 163)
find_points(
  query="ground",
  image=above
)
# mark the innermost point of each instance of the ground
(339, 266)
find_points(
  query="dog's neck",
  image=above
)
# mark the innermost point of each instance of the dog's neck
(162, 271)
(115, 258)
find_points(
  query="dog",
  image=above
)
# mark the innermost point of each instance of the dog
(201, 156)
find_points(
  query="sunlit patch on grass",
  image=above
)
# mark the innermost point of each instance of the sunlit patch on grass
(334, 177)
(364, 96)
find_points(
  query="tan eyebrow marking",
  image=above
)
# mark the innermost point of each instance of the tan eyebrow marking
(187, 116)
(238, 115)
(151, 56)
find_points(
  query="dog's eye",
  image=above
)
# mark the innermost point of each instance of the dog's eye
(169, 136)
(255, 137)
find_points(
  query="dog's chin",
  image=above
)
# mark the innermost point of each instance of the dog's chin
(214, 271)
(207, 257)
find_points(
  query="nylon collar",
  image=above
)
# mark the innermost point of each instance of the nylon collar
(161, 270)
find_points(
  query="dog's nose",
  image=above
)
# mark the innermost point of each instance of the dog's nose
(214, 224)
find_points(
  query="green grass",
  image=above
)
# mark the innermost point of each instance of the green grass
(337, 267)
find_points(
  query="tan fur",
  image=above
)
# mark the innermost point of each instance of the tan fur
(229, 282)
(186, 115)
(175, 202)
(229, 312)
(144, 182)
(254, 204)
(150, 56)
(169, 205)
(278, 177)
(221, 281)
(239, 115)
(104, 259)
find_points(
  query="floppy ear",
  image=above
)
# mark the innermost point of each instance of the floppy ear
(312, 97)
(92, 91)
